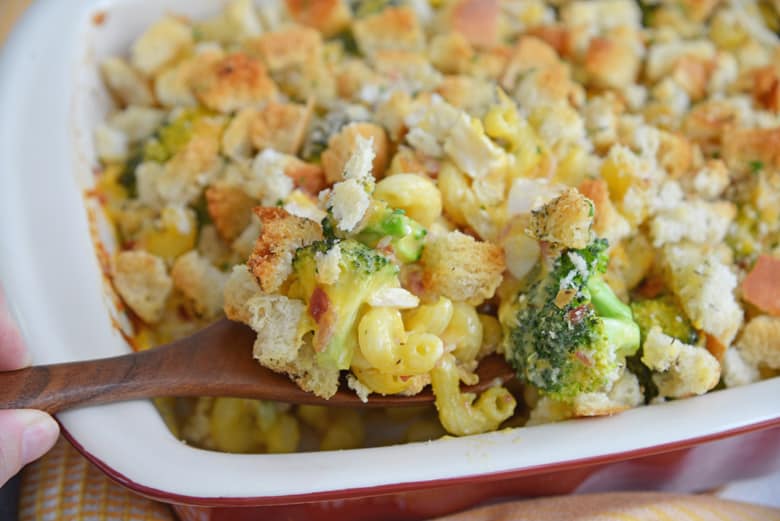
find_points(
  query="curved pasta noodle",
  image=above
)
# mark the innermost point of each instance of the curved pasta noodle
(388, 348)
(464, 332)
(463, 413)
(415, 194)
(430, 318)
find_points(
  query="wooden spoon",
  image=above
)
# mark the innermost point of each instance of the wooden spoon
(216, 361)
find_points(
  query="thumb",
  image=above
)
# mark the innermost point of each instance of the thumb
(25, 435)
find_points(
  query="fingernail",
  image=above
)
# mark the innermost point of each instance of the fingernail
(39, 434)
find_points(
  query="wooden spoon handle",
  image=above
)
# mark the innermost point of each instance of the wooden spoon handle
(184, 368)
(55, 387)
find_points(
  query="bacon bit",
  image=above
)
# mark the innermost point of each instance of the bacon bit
(183, 313)
(715, 347)
(404, 378)
(324, 315)
(761, 287)
(414, 280)
(651, 287)
(308, 177)
(468, 230)
(582, 357)
(564, 296)
(578, 314)
(319, 303)
(549, 250)
(99, 18)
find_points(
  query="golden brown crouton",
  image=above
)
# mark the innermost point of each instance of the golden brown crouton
(556, 36)
(185, 174)
(236, 139)
(409, 69)
(143, 283)
(473, 95)
(230, 209)
(477, 20)
(232, 83)
(327, 16)
(281, 126)
(693, 74)
(611, 62)
(745, 146)
(766, 87)
(566, 220)
(451, 53)
(675, 153)
(126, 83)
(489, 63)
(461, 268)
(394, 28)
(240, 286)
(706, 123)
(391, 113)
(407, 161)
(160, 44)
(279, 345)
(293, 46)
(607, 222)
(341, 146)
(281, 235)
(307, 176)
(529, 53)
(759, 342)
(352, 74)
(200, 282)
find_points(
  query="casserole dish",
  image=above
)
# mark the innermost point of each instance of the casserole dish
(50, 100)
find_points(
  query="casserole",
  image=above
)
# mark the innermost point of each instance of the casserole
(50, 99)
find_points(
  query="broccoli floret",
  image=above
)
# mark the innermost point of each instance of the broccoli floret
(172, 137)
(667, 314)
(406, 235)
(568, 333)
(354, 273)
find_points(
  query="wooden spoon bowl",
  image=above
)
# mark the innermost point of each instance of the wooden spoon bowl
(216, 361)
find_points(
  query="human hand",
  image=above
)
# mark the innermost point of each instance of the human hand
(25, 434)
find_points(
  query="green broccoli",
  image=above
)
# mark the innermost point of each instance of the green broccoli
(172, 136)
(666, 313)
(568, 333)
(168, 139)
(406, 235)
(334, 306)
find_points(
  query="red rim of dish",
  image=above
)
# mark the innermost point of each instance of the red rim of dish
(348, 493)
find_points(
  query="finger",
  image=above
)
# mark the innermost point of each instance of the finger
(25, 435)
(13, 354)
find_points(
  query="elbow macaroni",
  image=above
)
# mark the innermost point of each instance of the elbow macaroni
(390, 349)
(464, 413)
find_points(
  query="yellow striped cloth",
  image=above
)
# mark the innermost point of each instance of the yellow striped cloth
(63, 486)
